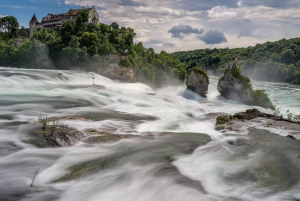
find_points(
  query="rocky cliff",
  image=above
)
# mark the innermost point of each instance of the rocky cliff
(197, 81)
(233, 85)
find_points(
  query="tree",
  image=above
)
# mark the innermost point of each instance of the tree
(84, 13)
(10, 25)
(114, 25)
(288, 56)
(66, 31)
(23, 32)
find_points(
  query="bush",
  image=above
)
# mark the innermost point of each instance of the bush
(261, 98)
(125, 63)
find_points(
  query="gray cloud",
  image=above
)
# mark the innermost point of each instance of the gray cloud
(240, 35)
(272, 3)
(181, 30)
(132, 3)
(169, 45)
(213, 36)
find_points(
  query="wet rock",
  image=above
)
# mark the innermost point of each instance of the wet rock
(251, 114)
(197, 82)
(116, 72)
(240, 121)
(58, 137)
(223, 119)
(291, 137)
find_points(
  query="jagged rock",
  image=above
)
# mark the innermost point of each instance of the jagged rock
(197, 82)
(251, 114)
(235, 88)
(116, 72)
(248, 115)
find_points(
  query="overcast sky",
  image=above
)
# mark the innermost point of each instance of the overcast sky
(175, 25)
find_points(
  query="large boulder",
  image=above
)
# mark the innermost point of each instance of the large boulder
(116, 72)
(197, 81)
(233, 85)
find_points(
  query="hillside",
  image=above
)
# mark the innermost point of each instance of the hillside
(272, 61)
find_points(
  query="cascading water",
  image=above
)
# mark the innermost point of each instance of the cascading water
(175, 155)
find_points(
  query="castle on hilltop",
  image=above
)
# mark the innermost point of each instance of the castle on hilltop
(54, 21)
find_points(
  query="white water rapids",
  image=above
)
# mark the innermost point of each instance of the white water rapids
(179, 156)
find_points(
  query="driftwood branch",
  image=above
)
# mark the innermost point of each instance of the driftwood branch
(36, 172)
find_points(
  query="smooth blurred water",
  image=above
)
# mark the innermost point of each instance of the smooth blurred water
(179, 156)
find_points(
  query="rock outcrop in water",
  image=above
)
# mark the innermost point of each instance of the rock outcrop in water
(58, 137)
(233, 85)
(197, 81)
(242, 121)
(116, 72)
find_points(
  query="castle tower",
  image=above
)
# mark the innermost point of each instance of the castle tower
(33, 24)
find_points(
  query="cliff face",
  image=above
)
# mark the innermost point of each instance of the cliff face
(197, 82)
(116, 72)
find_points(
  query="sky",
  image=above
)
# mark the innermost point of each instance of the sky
(179, 25)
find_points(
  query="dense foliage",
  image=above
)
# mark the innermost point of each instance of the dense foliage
(272, 61)
(89, 47)
(10, 25)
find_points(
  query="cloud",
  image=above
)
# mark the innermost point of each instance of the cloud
(240, 35)
(181, 30)
(213, 36)
(168, 45)
(156, 20)
(221, 12)
(132, 3)
(273, 3)
(240, 3)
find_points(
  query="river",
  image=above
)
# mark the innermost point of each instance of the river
(176, 156)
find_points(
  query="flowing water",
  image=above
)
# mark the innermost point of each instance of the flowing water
(178, 155)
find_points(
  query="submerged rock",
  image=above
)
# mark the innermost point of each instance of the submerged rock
(248, 115)
(58, 137)
(233, 85)
(197, 81)
(241, 121)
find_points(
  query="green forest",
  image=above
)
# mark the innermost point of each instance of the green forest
(272, 61)
(88, 47)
